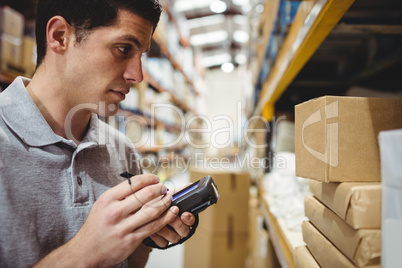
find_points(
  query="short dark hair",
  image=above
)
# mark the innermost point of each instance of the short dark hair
(86, 15)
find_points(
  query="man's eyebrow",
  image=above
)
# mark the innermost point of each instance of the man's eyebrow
(134, 40)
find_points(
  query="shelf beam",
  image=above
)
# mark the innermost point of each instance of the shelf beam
(171, 58)
(313, 22)
(7, 78)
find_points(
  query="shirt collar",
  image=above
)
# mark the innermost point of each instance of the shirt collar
(96, 132)
(22, 115)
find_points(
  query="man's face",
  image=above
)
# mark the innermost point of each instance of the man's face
(100, 69)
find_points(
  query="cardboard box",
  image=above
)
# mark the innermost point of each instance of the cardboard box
(255, 216)
(336, 137)
(304, 259)
(28, 63)
(362, 247)
(230, 214)
(211, 250)
(10, 52)
(326, 254)
(359, 204)
(11, 22)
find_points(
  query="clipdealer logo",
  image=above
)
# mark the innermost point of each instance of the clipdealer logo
(330, 156)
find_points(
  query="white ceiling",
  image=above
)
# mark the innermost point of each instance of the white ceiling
(221, 37)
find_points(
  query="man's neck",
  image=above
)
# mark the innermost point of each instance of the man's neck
(49, 96)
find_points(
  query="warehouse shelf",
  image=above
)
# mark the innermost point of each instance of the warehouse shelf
(313, 22)
(183, 40)
(157, 149)
(149, 121)
(7, 78)
(158, 87)
(166, 5)
(284, 240)
(176, 65)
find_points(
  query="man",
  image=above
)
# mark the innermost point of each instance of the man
(62, 201)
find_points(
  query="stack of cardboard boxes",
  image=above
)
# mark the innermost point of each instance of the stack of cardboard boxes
(336, 146)
(221, 236)
(11, 34)
(17, 51)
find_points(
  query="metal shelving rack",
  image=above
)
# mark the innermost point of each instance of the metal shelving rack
(313, 22)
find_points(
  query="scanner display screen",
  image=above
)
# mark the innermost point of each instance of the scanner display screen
(180, 194)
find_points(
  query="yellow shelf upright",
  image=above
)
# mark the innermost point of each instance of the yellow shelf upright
(313, 22)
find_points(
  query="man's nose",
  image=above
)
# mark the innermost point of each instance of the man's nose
(133, 72)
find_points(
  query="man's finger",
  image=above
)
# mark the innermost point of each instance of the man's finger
(159, 240)
(150, 196)
(169, 234)
(123, 189)
(187, 218)
(152, 211)
(151, 227)
(179, 227)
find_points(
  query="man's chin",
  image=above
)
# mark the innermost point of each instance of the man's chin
(106, 110)
(107, 113)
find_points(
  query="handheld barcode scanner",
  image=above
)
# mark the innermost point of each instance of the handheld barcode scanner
(197, 196)
(194, 199)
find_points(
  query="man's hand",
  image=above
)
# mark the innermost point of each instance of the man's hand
(180, 225)
(117, 223)
(181, 228)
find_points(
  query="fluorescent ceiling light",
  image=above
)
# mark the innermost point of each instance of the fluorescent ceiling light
(240, 36)
(259, 8)
(187, 5)
(215, 60)
(209, 38)
(206, 21)
(218, 6)
(227, 67)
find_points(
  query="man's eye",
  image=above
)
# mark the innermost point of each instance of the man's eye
(125, 50)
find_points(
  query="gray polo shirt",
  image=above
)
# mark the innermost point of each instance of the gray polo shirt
(47, 183)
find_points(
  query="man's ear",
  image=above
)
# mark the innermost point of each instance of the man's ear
(58, 34)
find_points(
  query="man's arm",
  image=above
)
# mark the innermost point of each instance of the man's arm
(112, 231)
